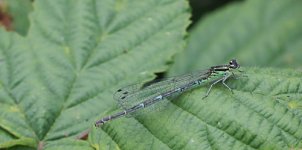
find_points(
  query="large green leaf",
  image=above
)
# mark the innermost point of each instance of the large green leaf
(256, 32)
(264, 112)
(59, 79)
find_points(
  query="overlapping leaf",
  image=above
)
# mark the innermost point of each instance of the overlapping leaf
(58, 79)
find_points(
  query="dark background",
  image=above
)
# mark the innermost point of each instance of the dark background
(201, 8)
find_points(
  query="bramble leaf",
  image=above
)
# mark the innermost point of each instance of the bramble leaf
(264, 112)
(266, 108)
(59, 79)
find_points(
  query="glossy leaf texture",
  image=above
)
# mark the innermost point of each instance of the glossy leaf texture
(59, 79)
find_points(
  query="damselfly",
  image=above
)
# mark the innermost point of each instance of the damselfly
(135, 97)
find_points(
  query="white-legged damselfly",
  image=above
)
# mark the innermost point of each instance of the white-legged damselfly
(135, 97)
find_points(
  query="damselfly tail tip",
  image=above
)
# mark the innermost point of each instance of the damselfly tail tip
(204, 97)
(98, 124)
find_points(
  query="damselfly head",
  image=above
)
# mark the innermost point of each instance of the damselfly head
(234, 64)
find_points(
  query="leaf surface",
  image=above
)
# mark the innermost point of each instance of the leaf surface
(59, 79)
(264, 112)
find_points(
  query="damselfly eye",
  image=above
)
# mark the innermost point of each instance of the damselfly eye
(234, 64)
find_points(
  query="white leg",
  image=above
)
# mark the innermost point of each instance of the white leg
(208, 92)
(223, 82)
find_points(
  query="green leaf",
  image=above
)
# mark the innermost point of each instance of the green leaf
(266, 108)
(14, 127)
(59, 79)
(259, 115)
(68, 144)
(256, 32)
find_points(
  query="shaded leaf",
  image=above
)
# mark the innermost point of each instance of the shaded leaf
(257, 33)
